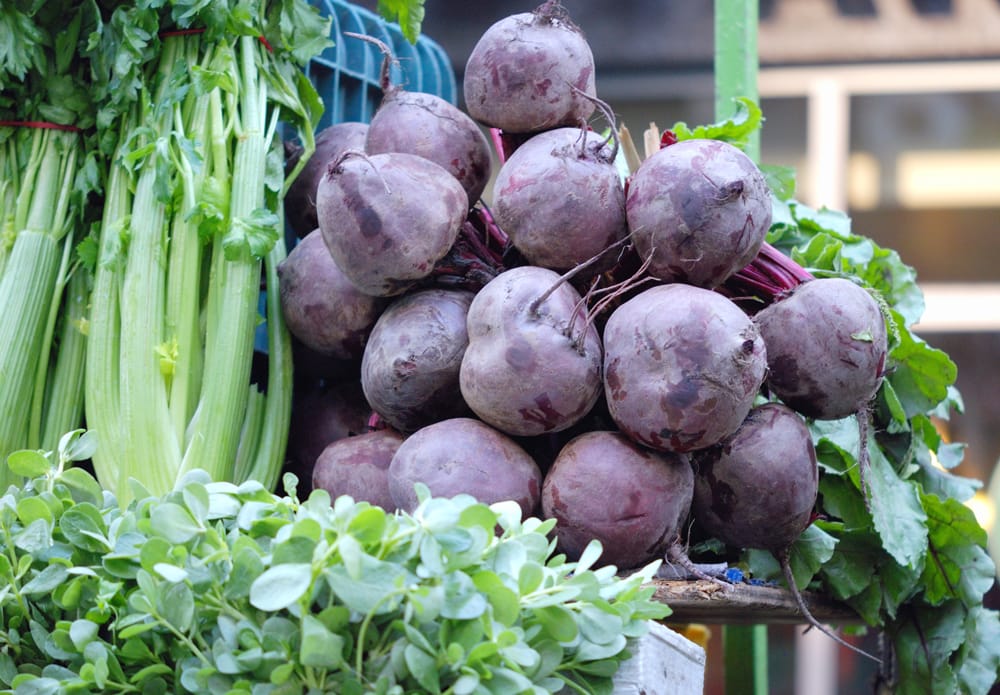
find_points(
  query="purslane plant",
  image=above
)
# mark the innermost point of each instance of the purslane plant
(222, 588)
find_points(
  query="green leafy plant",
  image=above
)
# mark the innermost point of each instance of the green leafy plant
(223, 588)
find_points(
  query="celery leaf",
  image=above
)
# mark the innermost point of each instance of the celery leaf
(408, 13)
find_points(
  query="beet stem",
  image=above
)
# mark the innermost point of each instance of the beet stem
(609, 116)
(863, 417)
(676, 555)
(388, 59)
(786, 570)
(565, 277)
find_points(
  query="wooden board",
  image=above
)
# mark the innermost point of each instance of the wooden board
(702, 601)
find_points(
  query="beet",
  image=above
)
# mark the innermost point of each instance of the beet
(388, 218)
(427, 125)
(526, 73)
(321, 306)
(826, 347)
(358, 466)
(682, 367)
(560, 198)
(604, 486)
(700, 209)
(757, 488)
(464, 456)
(410, 368)
(322, 414)
(533, 363)
(331, 143)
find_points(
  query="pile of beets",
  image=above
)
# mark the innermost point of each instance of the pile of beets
(625, 354)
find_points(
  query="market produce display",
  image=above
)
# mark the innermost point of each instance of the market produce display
(499, 408)
(725, 312)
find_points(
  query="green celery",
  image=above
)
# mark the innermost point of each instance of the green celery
(43, 217)
(102, 374)
(277, 417)
(182, 251)
(235, 287)
(64, 390)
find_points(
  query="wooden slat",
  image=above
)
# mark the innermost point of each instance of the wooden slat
(700, 601)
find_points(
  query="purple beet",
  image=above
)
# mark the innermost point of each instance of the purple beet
(826, 347)
(533, 364)
(428, 125)
(331, 143)
(388, 218)
(410, 368)
(322, 414)
(699, 209)
(682, 367)
(526, 72)
(560, 198)
(757, 488)
(464, 456)
(633, 500)
(321, 306)
(358, 466)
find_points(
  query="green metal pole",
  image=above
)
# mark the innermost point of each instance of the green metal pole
(736, 61)
(736, 65)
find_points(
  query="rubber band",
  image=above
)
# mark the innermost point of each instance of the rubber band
(40, 124)
(191, 32)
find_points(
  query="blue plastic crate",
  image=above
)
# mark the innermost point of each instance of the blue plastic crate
(346, 75)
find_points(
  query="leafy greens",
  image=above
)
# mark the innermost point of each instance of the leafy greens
(224, 588)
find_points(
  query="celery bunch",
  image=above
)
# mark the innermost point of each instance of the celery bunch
(192, 97)
(47, 174)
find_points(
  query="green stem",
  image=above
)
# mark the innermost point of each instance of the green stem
(736, 61)
(277, 418)
(102, 373)
(49, 358)
(25, 291)
(183, 298)
(233, 296)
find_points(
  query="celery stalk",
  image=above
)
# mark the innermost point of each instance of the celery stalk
(43, 216)
(229, 336)
(102, 374)
(64, 393)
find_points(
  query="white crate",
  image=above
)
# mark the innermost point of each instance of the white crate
(663, 662)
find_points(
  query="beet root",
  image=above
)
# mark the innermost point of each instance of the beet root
(321, 306)
(757, 488)
(431, 127)
(388, 218)
(526, 73)
(682, 367)
(331, 143)
(700, 210)
(464, 456)
(533, 364)
(321, 415)
(604, 486)
(560, 198)
(358, 466)
(409, 371)
(826, 347)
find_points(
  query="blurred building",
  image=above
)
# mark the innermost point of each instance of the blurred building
(888, 109)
